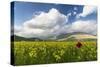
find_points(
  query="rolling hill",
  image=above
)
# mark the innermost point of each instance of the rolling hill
(77, 36)
(18, 38)
(61, 37)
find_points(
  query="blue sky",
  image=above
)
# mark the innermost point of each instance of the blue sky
(30, 18)
(25, 10)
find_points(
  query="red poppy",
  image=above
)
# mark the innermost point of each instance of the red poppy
(78, 45)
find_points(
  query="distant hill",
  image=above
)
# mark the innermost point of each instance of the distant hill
(76, 36)
(61, 37)
(18, 38)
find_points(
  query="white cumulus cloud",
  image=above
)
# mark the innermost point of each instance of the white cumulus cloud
(53, 23)
(42, 25)
(87, 10)
(89, 26)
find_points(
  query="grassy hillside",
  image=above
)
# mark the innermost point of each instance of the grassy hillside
(18, 38)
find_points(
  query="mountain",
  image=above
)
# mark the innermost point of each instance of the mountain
(61, 37)
(19, 38)
(76, 36)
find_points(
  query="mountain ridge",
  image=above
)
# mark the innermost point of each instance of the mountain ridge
(61, 37)
(19, 38)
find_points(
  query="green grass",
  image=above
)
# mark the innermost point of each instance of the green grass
(28, 52)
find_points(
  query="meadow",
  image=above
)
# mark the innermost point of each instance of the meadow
(46, 52)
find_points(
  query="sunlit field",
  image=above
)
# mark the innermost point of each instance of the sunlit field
(44, 52)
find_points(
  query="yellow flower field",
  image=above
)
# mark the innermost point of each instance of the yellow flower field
(46, 52)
